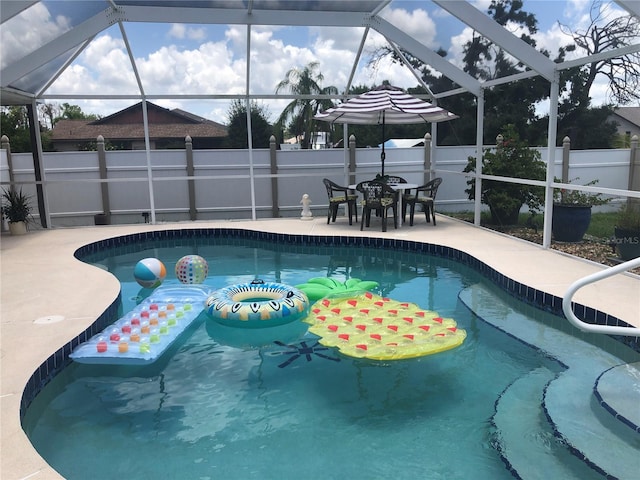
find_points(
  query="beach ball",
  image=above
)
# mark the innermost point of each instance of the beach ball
(149, 272)
(192, 269)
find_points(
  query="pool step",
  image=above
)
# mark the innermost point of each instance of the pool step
(618, 392)
(601, 440)
(594, 435)
(525, 439)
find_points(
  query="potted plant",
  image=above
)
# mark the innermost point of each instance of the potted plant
(627, 231)
(512, 157)
(572, 212)
(16, 208)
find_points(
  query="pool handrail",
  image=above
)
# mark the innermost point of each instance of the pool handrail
(594, 277)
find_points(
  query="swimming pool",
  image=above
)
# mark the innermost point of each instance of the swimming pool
(209, 408)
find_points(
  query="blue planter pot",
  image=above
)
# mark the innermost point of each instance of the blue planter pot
(570, 222)
(627, 243)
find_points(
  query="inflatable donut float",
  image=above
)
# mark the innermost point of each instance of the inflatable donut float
(257, 304)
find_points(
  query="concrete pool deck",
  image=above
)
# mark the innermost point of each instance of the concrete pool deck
(45, 291)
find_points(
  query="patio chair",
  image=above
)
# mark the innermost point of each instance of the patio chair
(379, 197)
(425, 195)
(337, 196)
(393, 179)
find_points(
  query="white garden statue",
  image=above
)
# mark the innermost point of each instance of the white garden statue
(306, 209)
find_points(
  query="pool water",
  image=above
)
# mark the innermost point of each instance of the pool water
(273, 403)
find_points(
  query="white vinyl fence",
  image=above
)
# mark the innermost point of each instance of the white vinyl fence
(221, 186)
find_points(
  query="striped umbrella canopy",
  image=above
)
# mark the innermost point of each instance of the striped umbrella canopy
(385, 104)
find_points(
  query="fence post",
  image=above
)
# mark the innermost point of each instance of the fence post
(275, 209)
(103, 218)
(188, 146)
(428, 170)
(352, 159)
(634, 165)
(4, 141)
(566, 152)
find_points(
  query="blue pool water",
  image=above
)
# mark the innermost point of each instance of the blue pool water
(273, 403)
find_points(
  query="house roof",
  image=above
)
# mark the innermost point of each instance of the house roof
(630, 114)
(127, 125)
(85, 130)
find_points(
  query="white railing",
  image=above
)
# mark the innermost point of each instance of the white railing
(589, 327)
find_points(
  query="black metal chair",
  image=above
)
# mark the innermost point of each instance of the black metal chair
(337, 196)
(394, 179)
(379, 197)
(424, 195)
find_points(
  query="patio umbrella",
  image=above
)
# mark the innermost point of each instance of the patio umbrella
(385, 105)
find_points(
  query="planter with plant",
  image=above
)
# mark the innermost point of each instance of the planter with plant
(512, 157)
(572, 212)
(627, 230)
(16, 208)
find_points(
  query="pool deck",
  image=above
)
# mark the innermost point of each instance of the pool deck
(45, 291)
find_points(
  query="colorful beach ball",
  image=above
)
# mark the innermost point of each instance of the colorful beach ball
(192, 269)
(149, 272)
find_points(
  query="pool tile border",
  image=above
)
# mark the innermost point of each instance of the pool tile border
(58, 360)
(609, 408)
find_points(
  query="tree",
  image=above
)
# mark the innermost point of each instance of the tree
(261, 129)
(14, 123)
(74, 112)
(512, 103)
(298, 115)
(49, 112)
(602, 34)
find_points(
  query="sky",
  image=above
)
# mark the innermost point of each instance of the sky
(181, 58)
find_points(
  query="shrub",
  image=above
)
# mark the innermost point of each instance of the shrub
(511, 158)
(16, 205)
(629, 216)
(575, 197)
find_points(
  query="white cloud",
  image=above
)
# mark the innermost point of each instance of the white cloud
(103, 67)
(177, 30)
(181, 31)
(347, 38)
(417, 24)
(575, 8)
(219, 67)
(455, 53)
(28, 31)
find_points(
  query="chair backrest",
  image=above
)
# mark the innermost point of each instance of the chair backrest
(331, 187)
(431, 188)
(374, 191)
(395, 179)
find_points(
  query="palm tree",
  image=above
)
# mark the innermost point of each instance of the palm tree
(299, 113)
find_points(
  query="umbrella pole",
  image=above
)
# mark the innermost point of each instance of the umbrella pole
(382, 155)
